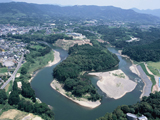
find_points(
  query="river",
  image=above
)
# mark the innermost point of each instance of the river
(65, 109)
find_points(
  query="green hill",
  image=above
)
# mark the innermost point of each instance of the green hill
(20, 10)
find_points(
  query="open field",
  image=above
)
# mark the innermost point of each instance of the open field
(3, 70)
(66, 44)
(38, 47)
(8, 88)
(39, 62)
(14, 114)
(151, 76)
(154, 67)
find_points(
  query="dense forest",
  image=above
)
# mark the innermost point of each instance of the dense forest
(148, 106)
(146, 49)
(23, 104)
(149, 52)
(83, 58)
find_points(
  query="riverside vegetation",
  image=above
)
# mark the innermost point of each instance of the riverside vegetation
(14, 101)
(148, 106)
(83, 58)
(24, 99)
(38, 57)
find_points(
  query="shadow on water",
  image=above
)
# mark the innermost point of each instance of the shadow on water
(65, 109)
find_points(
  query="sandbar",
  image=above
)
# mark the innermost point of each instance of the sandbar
(81, 101)
(134, 69)
(56, 60)
(114, 83)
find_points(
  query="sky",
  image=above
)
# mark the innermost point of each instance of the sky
(125, 4)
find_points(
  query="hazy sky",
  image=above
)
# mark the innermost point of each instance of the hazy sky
(126, 4)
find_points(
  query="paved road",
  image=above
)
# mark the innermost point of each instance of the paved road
(14, 73)
(146, 80)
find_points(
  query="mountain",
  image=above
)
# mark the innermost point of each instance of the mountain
(155, 12)
(20, 9)
(5, 1)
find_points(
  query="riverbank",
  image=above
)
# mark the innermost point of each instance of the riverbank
(156, 86)
(50, 63)
(114, 83)
(56, 59)
(81, 101)
(133, 67)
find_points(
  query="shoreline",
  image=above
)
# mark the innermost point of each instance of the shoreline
(56, 60)
(114, 83)
(85, 103)
(135, 71)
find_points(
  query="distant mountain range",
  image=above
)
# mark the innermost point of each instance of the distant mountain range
(155, 12)
(111, 13)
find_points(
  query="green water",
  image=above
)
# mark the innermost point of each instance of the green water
(65, 109)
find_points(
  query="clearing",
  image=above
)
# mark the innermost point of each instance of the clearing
(14, 114)
(154, 67)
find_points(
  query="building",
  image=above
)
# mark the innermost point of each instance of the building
(76, 35)
(142, 118)
(131, 116)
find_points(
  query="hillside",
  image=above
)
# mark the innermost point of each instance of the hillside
(155, 12)
(108, 13)
(149, 52)
(148, 106)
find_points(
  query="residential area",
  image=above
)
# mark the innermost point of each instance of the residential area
(10, 54)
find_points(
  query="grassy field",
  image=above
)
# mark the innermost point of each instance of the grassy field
(151, 76)
(38, 47)
(8, 88)
(14, 114)
(3, 70)
(154, 67)
(41, 62)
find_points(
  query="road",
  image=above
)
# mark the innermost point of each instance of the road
(148, 84)
(14, 73)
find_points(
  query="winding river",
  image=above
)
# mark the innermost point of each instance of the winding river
(65, 109)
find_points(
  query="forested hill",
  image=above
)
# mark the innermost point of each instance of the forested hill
(149, 52)
(83, 58)
(149, 106)
(111, 13)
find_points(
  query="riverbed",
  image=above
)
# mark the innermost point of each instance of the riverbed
(65, 109)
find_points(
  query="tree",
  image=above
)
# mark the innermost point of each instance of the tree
(3, 96)
(27, 91)
(15, 88)
(24, 70)
(14, 98)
